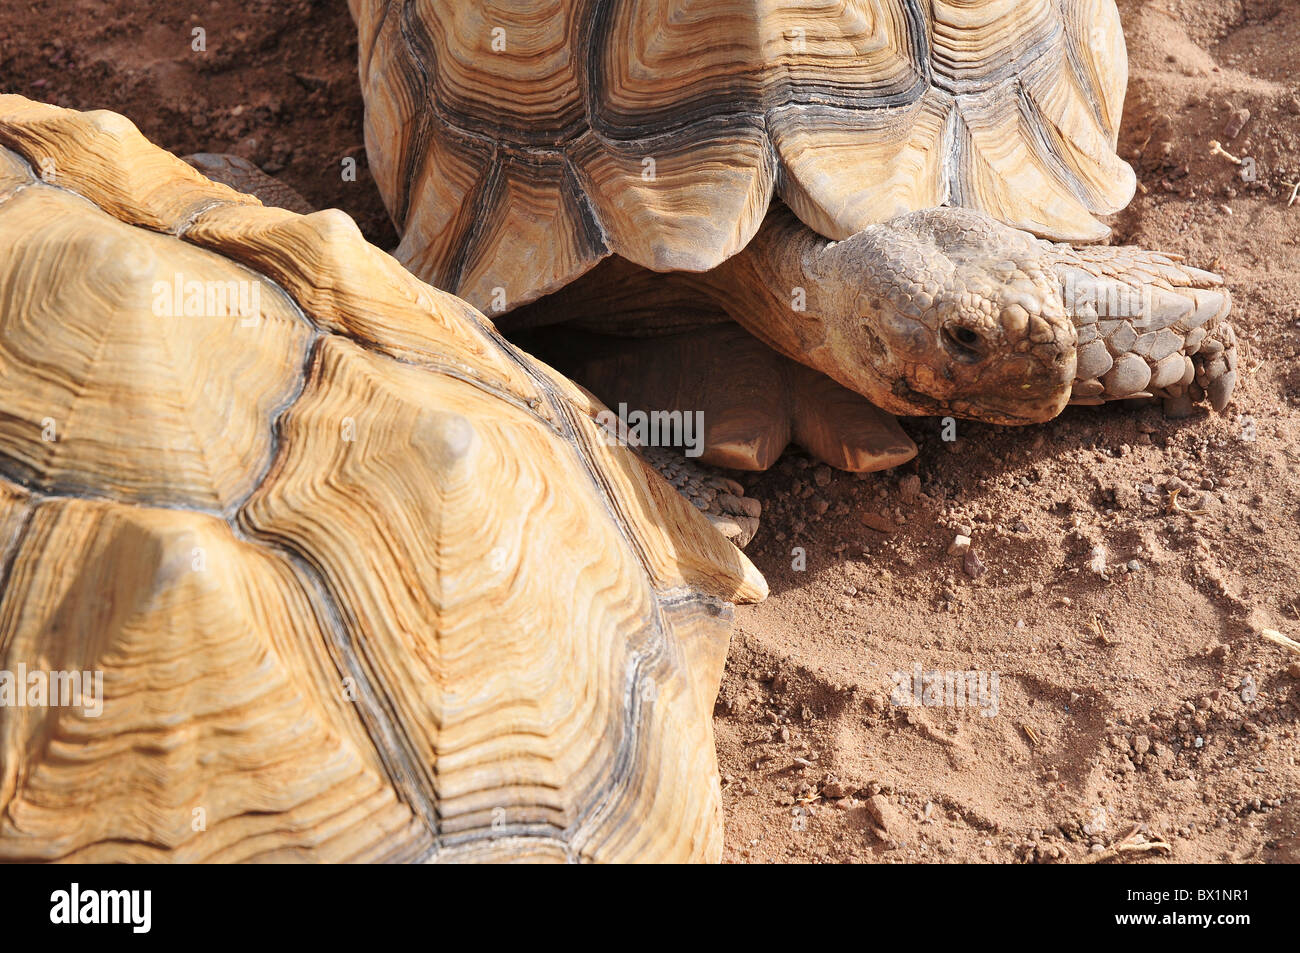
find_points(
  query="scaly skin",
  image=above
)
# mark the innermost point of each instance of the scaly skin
(240, 174)
(1147, 321)
(947, 311)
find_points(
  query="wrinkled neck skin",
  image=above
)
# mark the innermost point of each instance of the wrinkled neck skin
(782, 289)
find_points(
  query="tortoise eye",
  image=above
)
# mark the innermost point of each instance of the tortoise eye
(962, 342)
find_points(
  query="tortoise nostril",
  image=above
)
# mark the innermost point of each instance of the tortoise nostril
(963, 343)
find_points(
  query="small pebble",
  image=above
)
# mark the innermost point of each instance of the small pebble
(835, 789)
(1236, 122)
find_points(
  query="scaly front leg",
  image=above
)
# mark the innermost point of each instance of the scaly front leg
(1148, 325)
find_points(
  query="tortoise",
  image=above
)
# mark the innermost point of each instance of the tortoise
(797, 220)
(347, 575)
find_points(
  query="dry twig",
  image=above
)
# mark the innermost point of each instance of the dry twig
(1134, 843)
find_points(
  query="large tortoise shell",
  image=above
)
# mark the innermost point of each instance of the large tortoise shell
(361, 580)
(519, 143)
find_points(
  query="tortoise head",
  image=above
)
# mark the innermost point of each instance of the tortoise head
(949, 312)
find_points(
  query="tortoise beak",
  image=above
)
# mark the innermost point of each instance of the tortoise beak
(1025, 388)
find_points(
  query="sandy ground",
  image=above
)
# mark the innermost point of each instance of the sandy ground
(1141, 695)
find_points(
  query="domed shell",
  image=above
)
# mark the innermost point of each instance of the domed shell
(321, 569)
(519, 144)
